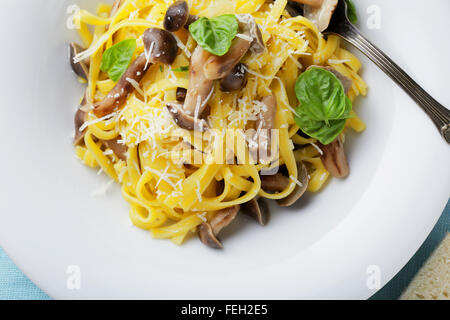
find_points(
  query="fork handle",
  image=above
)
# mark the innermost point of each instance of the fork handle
(436, 111)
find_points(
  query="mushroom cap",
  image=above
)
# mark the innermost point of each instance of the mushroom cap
(334, 159)
(184, 120)
(208, 232)
(177, 16)
(81, 68)
(235, 80)
(207, 236)
(181, 94)
(248, 26)
(160, 46)
(257, 209)
(321, 16)
(299, 190)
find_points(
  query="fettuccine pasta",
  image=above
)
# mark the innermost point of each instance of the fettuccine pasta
(176, 179)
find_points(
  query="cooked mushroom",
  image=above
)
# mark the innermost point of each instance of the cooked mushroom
(257, 209)
(160, 47)
(177, 16)
(279, 183)
(184, 120)
(81, 68)
(197, 96)
(312, 3)
(181, 94)
(235, 80)
(276, 182)
(265, 125)
(294, 8)
(79, 120)
(346, 82)
(334, 158)
(119, 149)
(300, 188)
(321, 15)
(191, 20)
(250, 39)
(208, 232)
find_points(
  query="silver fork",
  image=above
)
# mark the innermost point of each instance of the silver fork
(341, 26)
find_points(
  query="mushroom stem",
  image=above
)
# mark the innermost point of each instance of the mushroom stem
(118, 95)
(199, 85)
(160, 47)
(334, 158)
(119, 149)
(200, 90)
(218, 67)
(275, 183)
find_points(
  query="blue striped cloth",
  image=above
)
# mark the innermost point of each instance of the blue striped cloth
(14, 285)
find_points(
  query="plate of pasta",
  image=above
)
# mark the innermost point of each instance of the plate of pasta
(214, 149)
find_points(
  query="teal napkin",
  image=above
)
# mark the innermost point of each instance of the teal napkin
(14, 285)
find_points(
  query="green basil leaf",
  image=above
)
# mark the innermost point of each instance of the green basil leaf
(324, 132)
(116, 59)
(181, 69)
(351, 12)
(321, 94)
(215, 35)
(324, 107)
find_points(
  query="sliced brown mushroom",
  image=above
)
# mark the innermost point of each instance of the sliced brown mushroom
(250, 39)
(321, 15)
(197, 96)
(257, 209)
(346, 82)
(119, 149)
(81, 68)
(334, 158)
(235, 80)
(79, 120)
(208, 232)
(300, 188)
(265, 124)
(160, 47)
(275, 183)
(177, 15)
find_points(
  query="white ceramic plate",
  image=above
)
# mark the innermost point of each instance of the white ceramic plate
(326, 247)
